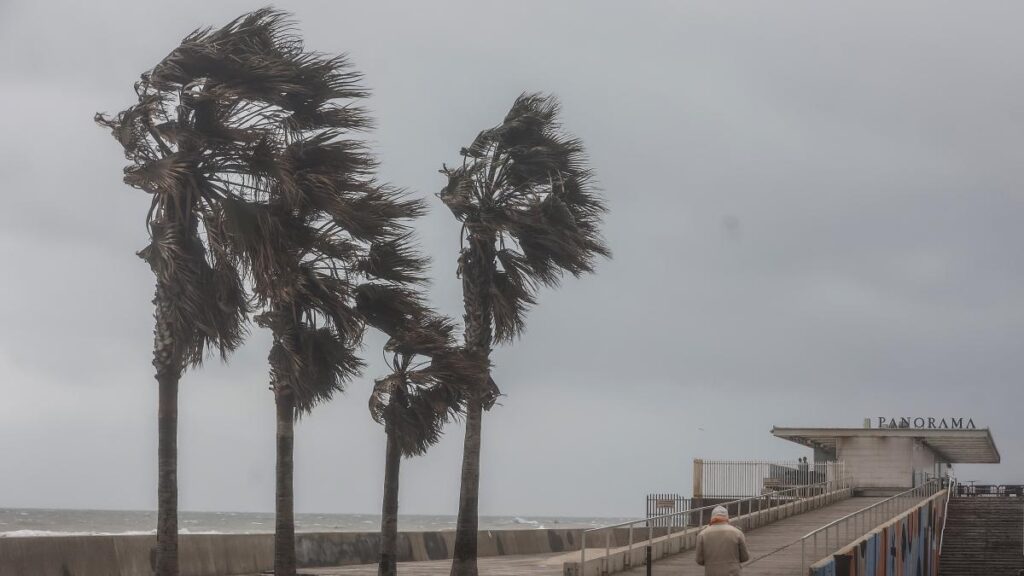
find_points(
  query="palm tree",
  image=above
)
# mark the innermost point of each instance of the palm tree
(241, 132)
(349, 275)
(325, 247)
(529, 213)
(181, 158)
(423, 392)
(312, 357)
(317, 320)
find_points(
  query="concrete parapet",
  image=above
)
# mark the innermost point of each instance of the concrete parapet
(227, 554)
(58, 556)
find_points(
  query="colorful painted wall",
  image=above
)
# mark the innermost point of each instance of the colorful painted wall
(906, 546)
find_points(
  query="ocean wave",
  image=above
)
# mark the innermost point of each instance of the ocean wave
(57, 522)
(530, 523)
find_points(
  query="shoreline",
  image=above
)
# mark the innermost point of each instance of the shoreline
(21, 523)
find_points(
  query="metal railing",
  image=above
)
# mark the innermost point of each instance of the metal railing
(971, 490)
(945, 512)
(743, 478)
(766, 504)
(856, 524)
(661, 504)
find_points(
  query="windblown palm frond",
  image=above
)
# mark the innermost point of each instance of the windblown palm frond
(526, 185)
(203, 292)
(258, 57)
(415, 420)
(427, 335)
(395, 260)
(310, 363)
(431, 373)
(388, 307)
(200, 281)
(430, 380)
(245, 133)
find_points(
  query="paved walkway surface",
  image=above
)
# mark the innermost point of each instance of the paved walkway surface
(525, 565)
(771, 547)
(771, 550)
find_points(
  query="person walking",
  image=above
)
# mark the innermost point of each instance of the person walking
(721, 547)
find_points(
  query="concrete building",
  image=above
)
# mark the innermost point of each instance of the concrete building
(896, 456)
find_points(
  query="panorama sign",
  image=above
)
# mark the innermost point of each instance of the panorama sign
(925, 423)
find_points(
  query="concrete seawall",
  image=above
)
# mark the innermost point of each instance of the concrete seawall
(227, 554)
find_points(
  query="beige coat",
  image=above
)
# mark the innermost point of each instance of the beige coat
(720, 550)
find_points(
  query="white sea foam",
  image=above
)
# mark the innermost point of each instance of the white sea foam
(37, 533)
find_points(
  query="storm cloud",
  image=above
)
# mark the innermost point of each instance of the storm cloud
(815, 216)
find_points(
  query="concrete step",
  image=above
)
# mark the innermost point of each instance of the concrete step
(984, 537)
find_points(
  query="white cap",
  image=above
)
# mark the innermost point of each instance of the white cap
(720, 511)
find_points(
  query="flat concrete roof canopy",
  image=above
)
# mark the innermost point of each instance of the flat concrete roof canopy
(972, 446)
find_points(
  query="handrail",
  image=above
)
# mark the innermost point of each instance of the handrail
(862, 524)
(945, 511)
(827, 487)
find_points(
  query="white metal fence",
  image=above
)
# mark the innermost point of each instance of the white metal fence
(746, 478)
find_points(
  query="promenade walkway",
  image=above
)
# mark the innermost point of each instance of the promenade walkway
(769, 542)
(772, 552)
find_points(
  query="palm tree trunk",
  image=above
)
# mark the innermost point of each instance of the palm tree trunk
(389, 513)
(168, 372)
(284, 529)
(477, 279)
(467, 526)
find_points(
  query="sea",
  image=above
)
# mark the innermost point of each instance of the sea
(23, 522)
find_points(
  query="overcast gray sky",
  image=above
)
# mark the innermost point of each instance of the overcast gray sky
(816, 214)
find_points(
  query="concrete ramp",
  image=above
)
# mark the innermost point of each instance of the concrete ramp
(774, 548)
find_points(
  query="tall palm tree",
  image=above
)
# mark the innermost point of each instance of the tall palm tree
(529, 213)
(423, 392)
(325, 247)
(183, 160)
(311, 358)
(240, 131)
(317, 322)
